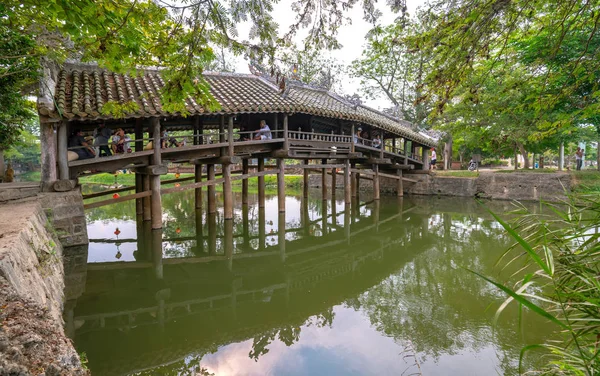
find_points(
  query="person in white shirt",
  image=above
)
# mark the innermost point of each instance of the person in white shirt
(264, 133)
(433, 159)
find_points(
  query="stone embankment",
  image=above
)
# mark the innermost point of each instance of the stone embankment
(32, 339)
(526, 186)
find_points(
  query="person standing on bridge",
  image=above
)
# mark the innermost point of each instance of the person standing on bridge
(101, 137)
(357, 135)
(264, 133)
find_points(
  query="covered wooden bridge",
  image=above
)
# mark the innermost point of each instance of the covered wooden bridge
(307, 124)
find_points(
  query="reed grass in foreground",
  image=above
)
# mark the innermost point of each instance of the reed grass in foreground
(559, 278)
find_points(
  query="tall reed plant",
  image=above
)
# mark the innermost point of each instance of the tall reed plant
(557, 255)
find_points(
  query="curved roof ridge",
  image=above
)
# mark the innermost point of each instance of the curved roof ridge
(401, 121)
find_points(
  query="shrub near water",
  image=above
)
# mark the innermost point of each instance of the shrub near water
(559, 280)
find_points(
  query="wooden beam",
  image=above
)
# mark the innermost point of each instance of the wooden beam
(63, 163)
(226, 159)
(133, 196)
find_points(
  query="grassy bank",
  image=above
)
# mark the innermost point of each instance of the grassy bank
(291, 181)
(458, 173)
(538, 170)
(584, 182)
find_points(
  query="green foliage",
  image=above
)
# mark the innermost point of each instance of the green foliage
(585, 182)
(559, 279)
(119, 111)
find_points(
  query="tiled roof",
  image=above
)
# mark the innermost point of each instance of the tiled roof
(83, 89)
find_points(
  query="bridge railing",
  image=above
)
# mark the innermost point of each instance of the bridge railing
(324, 137)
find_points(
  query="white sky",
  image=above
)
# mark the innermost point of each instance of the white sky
(351, 36)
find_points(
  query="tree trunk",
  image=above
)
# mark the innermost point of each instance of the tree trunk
(448, 154)
(2, 168)
(525, 155)
(516, 158)
(598, 156)
(541, 165)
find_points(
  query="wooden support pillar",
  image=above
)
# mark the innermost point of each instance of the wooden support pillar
(304, 217)
(212, 233)
(261, 183)
(353, 181)
(199, 231)
(324, 218)
(212, 198)
(139, 134)
(157, 253)
(228, 243)
(286, 143)
(306, 180)
(281, 184)
(146, 201)
(230, 136)
(376, 182)
(139, 187)
(333, 181)
(425, 157)
(357, 185)
(347, 183)
(155, 179)
(324, 180)
(261, 227)
(246, 225)
(195, 138)
(347, 216)
(222, 134)
(376, 209)
(48, 155)
(198, 191)
(399, 184)
(156, 202)
(281, 236)
(227, 192)
(63, 163)
(352, 138)
(245, 183)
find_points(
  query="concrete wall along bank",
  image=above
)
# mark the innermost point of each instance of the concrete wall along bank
(32, 339)
(527, 186)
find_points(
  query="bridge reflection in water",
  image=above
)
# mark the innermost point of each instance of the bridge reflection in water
(203, 287)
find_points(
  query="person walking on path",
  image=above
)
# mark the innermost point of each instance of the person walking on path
(433, 159)
(578, 158)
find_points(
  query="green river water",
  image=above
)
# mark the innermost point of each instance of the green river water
(379, 290)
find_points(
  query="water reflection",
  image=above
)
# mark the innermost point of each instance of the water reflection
(375, 288)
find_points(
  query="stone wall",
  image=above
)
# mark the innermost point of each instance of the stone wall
(65, 212)
(526, 186)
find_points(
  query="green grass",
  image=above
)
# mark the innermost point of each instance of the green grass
(293, 182)
(121, 179)
(30, 176)
(585, 182)
(458, 173)
(539, 170)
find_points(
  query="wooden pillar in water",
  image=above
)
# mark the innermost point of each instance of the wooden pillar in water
(157, 252)
(333, 181)
(63, 163)
(281, 235)
(281, 184)
(226, 168)
(261, 183)
(212, 198)
(146, 201)
(324, 180)
(246, 226)
(357, 186)
(228, 241)
(212, 233)
(261, 227)
(399, 184)
(306, 179)
(245, 183)
(198, 191)
(376, 208)
(139, 187)
(199, 231)
(304, 217)
(353, 180)
(376, 182)
(155, 179)
(347, 183)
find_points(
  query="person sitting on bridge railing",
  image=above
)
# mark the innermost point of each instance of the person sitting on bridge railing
(101, 136)
(118, 141)
(77, 142)
(377, 142)
(264, 133)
